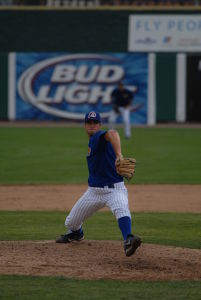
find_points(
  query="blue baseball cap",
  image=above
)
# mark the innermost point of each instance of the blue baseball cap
(93, 115)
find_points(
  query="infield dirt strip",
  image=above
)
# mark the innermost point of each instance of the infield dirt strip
(100, 259)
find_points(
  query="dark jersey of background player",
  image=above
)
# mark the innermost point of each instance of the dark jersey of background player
(121, 97)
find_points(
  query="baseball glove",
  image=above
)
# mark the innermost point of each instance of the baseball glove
(126, 167)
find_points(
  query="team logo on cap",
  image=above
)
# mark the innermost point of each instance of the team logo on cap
(92, 114)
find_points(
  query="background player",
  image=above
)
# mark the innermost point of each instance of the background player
(105, 186)
(121, 100)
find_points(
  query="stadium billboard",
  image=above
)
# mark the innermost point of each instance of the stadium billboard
(164, 33)
(53, 86)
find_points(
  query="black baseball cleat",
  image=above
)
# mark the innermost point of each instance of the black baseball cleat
(71, 236)
(131, 244)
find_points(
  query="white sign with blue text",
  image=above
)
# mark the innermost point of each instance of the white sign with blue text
(164, 33)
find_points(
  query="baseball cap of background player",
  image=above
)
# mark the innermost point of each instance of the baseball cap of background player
(94, 116)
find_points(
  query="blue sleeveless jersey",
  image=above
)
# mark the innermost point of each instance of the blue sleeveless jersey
(101, 162)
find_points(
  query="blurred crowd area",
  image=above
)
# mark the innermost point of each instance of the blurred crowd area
(91, 3)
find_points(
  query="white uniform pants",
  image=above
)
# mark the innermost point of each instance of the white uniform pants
(96, 198)
(125, 113)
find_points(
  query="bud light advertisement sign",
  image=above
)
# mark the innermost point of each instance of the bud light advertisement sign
(61, 86)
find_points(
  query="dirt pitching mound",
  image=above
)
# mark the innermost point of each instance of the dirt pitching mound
(99, 260)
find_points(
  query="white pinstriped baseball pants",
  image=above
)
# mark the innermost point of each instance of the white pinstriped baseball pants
(96, 198)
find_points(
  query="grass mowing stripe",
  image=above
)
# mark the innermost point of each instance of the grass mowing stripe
(58, 155)
(52, 288)
(176, 229)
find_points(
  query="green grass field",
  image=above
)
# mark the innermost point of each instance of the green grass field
(176, 229)
(58, 155)
(52, 288)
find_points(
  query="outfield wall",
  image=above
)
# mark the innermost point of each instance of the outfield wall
(103, 31)
(169, 87)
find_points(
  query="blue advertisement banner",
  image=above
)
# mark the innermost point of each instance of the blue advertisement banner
(54, 86)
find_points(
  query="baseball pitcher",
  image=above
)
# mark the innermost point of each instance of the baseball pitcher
(107, 168)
